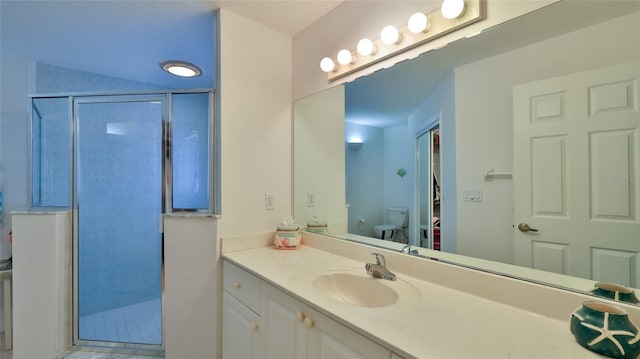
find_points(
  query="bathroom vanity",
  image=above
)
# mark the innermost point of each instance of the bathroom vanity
(318, 302)
(275, 324)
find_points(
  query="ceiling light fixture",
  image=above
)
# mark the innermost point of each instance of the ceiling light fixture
(181, 68)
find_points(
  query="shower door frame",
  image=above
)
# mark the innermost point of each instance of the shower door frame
(165, 96)
(76, 101)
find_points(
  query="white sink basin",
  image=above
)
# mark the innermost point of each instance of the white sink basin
(359, 289)
(364, 291)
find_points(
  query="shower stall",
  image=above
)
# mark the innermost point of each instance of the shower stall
(119, 162)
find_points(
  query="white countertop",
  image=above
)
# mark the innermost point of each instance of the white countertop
(439, 322)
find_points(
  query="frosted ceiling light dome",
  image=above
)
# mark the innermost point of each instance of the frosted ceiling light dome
(327, 65)
(366, 47)
(452, 9)
(390, 35)
(345, 57)
(418, 23)
(181, 68)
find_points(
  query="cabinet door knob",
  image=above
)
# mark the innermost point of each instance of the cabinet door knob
(308, 322)
(255, 327)
(300, 316)
(237, 285)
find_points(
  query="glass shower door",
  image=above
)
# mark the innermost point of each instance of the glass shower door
(118, 202)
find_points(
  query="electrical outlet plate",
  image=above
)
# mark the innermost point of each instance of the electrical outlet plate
(311, 200)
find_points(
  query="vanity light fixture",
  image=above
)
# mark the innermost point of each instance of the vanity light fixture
(181, 68)
(420, 29)
(390, 35)
(452, 9)
(366, 47)
(418, 23)
(355, 145)
(345, 57)
(327, 65)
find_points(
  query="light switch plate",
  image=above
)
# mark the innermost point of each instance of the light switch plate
(472, 195)
(268, 201)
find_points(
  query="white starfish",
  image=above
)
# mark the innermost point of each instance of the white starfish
(637, 337)
(605, 333)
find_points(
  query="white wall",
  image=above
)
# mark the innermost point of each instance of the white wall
(14, 82)
(319, 159)
(256, 129)
(441, 101)
(13, 144)
(41, 285)
(345, 25)
(256, 112)
(483, 92)
(191, 323)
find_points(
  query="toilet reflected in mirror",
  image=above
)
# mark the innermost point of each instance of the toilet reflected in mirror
(397, 219)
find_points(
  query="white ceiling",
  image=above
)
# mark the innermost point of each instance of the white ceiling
(128, 39)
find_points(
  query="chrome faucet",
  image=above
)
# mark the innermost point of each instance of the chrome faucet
(407, 250)
(379, 269)
(414, 252)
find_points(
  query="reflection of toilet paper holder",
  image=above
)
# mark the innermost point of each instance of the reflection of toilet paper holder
(490, 174)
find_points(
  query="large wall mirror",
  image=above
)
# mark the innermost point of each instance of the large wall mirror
(516, 150)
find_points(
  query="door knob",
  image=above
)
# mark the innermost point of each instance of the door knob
(523, 227)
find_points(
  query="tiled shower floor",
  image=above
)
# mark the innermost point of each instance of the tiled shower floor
(137, 323)
(81, 354)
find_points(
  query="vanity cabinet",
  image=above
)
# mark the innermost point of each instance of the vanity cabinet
(283, 327)
(294, 330)
(242, 336)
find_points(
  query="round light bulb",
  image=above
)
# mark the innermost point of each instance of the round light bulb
(418, 23)
(390, 35)
(327, 64)
(345, 57)
(452, 9)
(366, 47)
(181, 71)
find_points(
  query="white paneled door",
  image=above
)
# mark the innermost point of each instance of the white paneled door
(576, 174)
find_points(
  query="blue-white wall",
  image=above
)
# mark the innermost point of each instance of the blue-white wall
(364, 177)
(372, 181)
